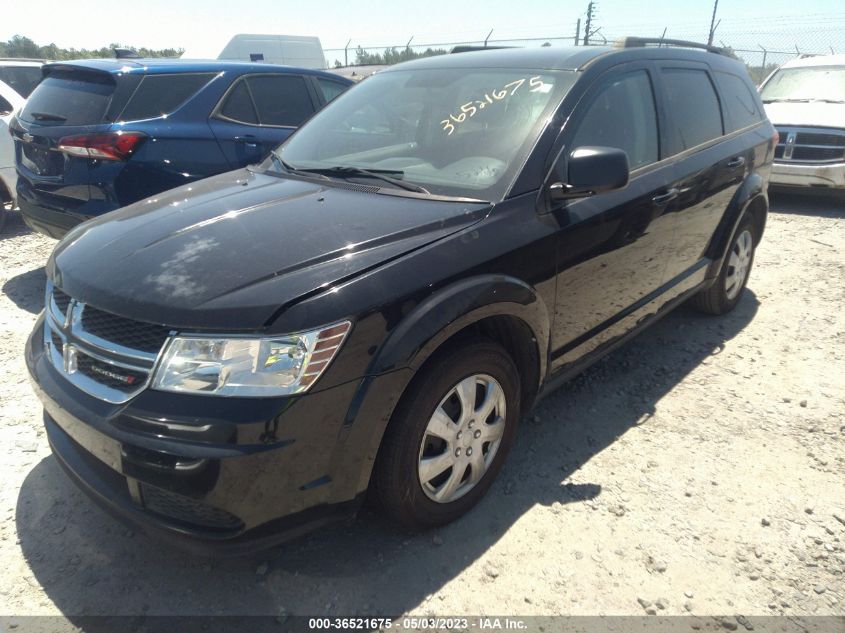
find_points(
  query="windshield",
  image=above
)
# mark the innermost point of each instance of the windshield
(450, 131)
(816, 83)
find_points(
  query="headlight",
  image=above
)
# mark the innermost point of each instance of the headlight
(274, 366)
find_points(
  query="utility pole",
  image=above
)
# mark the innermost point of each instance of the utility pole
(578, 32)
(346, 53)
(713, 23)
(587, 32)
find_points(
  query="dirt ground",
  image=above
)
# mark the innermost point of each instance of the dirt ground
(697, 469)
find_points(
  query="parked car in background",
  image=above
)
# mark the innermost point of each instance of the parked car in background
(373, 308)
(10, 102)
(22, 75)
(100, 134)
(805, 99)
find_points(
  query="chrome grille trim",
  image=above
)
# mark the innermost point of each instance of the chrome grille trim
(792, 138)
(67, 327)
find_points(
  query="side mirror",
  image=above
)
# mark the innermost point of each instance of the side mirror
(592, 170)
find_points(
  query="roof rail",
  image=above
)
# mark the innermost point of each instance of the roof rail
(637, 42)
(462, 48)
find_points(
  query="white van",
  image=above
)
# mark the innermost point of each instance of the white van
(289, 50)
(805, 100)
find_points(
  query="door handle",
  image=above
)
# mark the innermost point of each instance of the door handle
(738, 161)
(249, 139)
(665, 198)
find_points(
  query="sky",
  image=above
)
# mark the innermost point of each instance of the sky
(206, 25)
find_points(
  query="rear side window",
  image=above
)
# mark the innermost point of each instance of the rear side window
(330, 89)
(162, 94)
(70, 99)
(23, 79)
(238, 105)
(740, 103)
(281, 100)
(693, 104)
(623, 115)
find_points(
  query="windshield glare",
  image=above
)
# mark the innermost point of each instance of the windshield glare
(455, 131)
(811, 83)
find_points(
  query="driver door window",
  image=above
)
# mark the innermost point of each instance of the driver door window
(623, 115)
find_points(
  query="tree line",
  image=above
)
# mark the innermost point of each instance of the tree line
(393, 55)
(21, 46)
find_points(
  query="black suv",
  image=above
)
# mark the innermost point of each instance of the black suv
(373, 308)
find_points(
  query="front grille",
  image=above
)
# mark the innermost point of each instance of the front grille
(187, 510)
(62, 300)
(803, 145)
(146, 337)
(57, 342)
(112, 376)
(108, 356)
(817, 153)
(818, 138)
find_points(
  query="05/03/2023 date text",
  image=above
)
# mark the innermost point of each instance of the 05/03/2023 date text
(469, 109)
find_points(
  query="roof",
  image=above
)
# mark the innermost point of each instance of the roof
(563, 58)
(161, 65)
(816, 60)
(549, 57)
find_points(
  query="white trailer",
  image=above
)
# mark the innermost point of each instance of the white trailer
(290, 50)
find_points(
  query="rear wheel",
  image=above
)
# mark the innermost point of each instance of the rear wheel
(726, 291)
(449, 436)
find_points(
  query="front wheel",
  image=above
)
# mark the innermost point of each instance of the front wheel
(726, 291)
(449, 436)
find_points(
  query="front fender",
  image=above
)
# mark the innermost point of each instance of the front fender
(455, 307)
(420, 333)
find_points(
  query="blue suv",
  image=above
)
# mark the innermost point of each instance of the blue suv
(97, 135)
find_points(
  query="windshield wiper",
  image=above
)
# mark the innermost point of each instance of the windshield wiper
(385, 175)
(287, 167)
(46, 116)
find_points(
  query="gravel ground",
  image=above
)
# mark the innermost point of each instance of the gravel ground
(697, 469)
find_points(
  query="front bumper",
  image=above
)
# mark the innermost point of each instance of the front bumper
(213, 475)
(831, 176)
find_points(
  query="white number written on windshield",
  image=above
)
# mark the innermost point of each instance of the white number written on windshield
(469, 109)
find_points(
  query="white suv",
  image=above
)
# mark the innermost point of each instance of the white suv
(805, 100)
(18, 79)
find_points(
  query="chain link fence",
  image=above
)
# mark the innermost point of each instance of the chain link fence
(761, 59)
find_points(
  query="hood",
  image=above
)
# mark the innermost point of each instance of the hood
(813, 114)
(232, 251)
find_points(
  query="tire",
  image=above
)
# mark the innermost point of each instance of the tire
(405, 487)
(724, 294)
